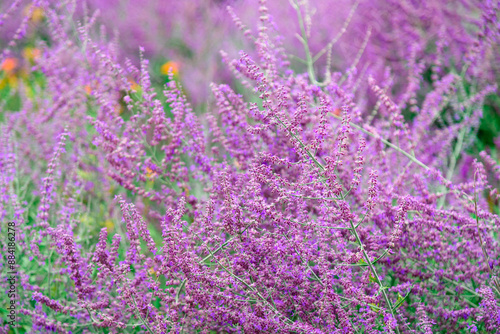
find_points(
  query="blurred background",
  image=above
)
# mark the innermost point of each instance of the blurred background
(391, 41)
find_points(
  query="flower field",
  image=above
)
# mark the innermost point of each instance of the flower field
(249, 166)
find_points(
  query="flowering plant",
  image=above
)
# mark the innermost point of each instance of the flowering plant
(310, 195)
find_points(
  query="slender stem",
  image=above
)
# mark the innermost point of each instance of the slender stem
(341, 32)
(49, 279)
(453, 161)
(358, 57)
(179, 290)
(453, 292)
(222, 246)
(139, 316)
(474, 293)
(397, 148)
(93, 320)
(374, 272)
(247, 285)
(486, 257)
(322, 198)
(322, 226)
(316, 162)
(304, 40)
(307, 264)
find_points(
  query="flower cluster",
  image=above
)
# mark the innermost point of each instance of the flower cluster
(332, 187)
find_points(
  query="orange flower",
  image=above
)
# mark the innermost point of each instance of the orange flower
(9, 65)
(150, 174)
(170, 65)
(337, 111)
(134, 86)
(89, 88)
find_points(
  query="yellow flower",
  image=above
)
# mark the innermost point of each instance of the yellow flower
(36, 14)
(87, 89)
(170, 65)
(109, 225)
(31, 54)
(3, 83)
(12, 80)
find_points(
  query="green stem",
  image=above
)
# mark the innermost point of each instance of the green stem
(374, 273)
(453, 162)
(139, 316)
(288, 321)
(397, 148)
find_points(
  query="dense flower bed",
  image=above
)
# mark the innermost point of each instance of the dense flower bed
(338, 175)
